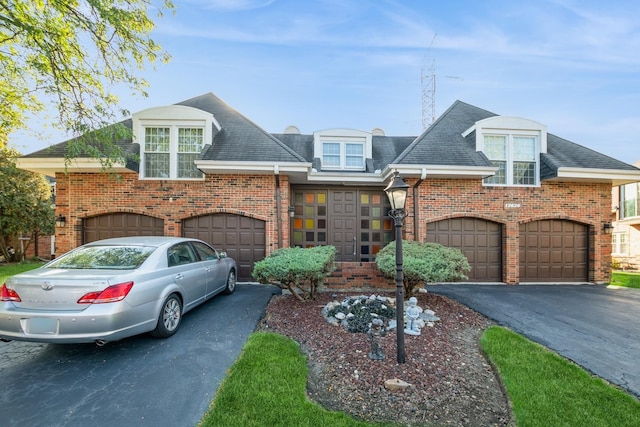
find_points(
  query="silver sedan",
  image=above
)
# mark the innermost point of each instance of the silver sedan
(112, 289)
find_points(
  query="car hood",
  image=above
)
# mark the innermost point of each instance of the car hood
(60, 289)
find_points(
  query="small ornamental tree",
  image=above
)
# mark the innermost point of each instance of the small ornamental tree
(299, 270)
(25, 204)
(423, 263)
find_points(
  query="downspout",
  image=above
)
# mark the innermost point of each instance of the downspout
(416, 204)
(276, 171)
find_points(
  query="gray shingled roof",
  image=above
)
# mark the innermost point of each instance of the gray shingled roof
(443, 144)
(59, 150)
(240, 139)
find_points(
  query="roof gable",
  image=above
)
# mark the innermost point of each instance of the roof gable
(240, 139)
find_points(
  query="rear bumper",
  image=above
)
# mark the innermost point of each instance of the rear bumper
(99, 322)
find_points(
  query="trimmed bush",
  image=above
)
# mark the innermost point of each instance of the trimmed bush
(423, 263)
(299, 270)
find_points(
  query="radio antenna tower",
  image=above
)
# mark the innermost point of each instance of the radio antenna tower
(428, 82)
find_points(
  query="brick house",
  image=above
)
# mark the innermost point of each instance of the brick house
(625, 210)
(522, 204)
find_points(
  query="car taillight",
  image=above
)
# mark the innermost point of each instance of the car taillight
(7, 294)
(111, 294)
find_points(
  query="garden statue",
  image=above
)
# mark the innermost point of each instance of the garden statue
(412, 320)
(376, 330)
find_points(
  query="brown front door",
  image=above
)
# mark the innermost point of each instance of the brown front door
(352, 220)
(342, 232)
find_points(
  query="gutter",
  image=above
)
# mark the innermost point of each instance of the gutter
(416, 215)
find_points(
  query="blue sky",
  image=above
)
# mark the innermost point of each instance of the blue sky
(573, 65)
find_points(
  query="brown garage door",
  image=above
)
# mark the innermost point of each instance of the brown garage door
(553, 251)
(120, 225)
(478, 239)
(241, 237)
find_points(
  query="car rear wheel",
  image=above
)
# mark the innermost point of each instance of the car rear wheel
(231, 283)
(169, 318)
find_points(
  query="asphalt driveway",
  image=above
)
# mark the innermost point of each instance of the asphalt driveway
(595, 326)
(139, 381)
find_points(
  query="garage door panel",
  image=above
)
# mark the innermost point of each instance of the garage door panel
(120, 225)
(559, 256)
(479, 240)
(243, 238)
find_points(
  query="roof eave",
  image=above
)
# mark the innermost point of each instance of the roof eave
(49, 166)
(216, 166)
(443, 171)
(611, 176)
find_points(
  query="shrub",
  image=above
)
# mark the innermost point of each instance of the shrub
(299, 270)
(423, 263)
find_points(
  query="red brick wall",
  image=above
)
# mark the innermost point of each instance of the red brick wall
(353, 275)
(82, 195)
(586, 203)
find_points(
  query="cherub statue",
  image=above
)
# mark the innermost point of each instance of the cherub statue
(412, 321)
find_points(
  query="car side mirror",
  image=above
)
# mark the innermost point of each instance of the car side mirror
(222, 254)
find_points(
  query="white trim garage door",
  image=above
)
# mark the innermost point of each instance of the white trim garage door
(243, 238)
(478, 239)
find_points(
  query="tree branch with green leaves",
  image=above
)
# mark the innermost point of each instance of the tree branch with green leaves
(71, 55)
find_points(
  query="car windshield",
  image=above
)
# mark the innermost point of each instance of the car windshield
(104, 257)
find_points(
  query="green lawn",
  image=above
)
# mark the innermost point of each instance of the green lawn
(628, 280)
(266, 387)
(547, 390)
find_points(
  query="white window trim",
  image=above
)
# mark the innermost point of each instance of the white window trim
(343, 137)
(172, 117)
(511, 127)
(615, 245)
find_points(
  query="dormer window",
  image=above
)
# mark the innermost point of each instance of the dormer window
(342, 149)
(515, 158)
(513, 145)
(171, 139)
(343, 155)
(169, 152)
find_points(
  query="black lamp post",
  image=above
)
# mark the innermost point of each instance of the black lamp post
(397, 193)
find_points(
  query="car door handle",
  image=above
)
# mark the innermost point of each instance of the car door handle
(179, 276)
(207, 269)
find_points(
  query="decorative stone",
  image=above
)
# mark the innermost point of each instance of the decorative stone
(340, 316)
(396, 384)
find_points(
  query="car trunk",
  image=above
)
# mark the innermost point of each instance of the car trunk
(58, 290)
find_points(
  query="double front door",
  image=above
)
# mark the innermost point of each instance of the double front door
(355, 221)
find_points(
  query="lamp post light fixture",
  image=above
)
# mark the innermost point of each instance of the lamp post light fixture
(397, 193)
(61, 220)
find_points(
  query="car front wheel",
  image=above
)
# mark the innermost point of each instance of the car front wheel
(231, 283)
(169, 318)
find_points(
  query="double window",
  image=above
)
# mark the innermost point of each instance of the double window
(619, 244)
(343, 155)
(515, 156)
(169, 152)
